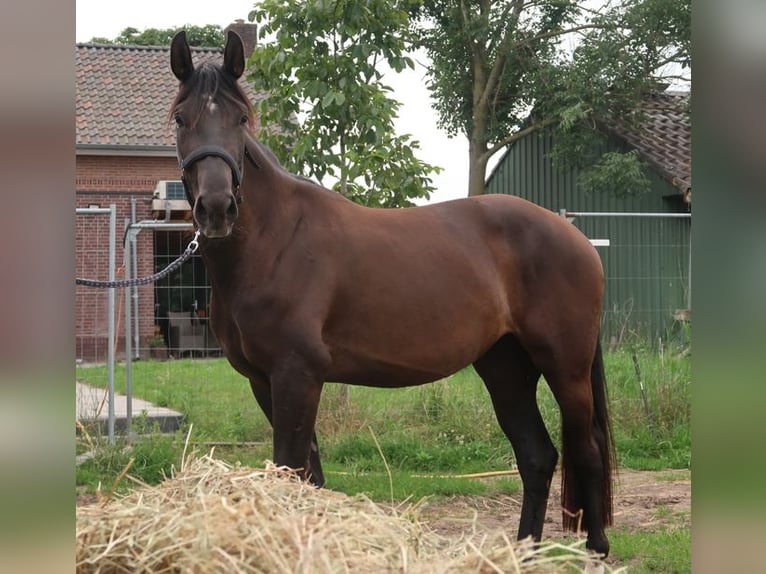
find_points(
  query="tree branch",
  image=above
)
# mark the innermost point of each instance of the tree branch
(554, 33)
(671, 59)
(502, 52)
(517, 136)
(466, 19)
(516, 6)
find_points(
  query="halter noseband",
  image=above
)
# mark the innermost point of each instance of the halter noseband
(214, 151)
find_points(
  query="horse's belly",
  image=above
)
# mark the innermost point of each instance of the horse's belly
(386, 376)
(409, 357)
(373, 373)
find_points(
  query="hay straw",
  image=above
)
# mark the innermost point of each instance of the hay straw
(215, 517)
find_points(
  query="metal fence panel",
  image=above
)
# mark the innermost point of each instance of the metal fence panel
(647, 267)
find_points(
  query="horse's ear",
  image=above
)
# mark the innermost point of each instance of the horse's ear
(180, 57)
(234, 55)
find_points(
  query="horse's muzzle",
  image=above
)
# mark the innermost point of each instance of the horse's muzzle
(215, 214)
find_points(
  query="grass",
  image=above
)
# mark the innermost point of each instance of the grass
(152, 459)
(409, 443)
(212, 396)
(667, 551)
(448, 426)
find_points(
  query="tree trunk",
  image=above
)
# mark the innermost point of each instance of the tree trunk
(477, 168)
(477, 138)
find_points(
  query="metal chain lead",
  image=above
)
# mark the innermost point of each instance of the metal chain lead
(188, 252)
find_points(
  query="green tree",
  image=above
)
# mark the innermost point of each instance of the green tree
(321, 62)
(501, 69)
(210, 36)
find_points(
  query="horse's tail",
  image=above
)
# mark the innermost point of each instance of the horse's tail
(571, 492)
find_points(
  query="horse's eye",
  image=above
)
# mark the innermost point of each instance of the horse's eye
(243, 120)
(178, 119)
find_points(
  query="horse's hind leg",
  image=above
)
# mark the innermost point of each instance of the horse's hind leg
(586, 483)
(511, 379)
(575, 375)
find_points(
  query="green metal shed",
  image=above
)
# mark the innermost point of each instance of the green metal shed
(647, 262)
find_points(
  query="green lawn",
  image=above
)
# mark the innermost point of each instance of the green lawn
(448, 425)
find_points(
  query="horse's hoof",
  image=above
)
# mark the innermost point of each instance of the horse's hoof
(594, 566)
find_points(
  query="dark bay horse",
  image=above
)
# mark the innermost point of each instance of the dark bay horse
(309, 287)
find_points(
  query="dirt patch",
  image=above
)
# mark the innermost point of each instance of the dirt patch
(643, 501)
(84, 498)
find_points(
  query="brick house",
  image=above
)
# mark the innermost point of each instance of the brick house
(125, 155)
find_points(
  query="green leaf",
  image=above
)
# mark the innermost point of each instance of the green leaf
(328, 98)
(327, 76)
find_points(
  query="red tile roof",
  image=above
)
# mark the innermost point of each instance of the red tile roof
(124, 94)
(664, 137)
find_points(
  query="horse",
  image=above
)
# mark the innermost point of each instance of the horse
(309, 287)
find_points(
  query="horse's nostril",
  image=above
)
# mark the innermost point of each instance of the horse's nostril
(200, 210)
(231, 211)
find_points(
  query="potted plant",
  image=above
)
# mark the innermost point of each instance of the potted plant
(157, 347)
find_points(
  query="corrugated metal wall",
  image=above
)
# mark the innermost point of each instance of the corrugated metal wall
(647, 264)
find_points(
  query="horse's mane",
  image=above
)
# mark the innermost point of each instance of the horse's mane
(210, 80)
(274, 160)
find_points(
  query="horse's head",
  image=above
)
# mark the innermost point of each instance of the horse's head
(212, 114)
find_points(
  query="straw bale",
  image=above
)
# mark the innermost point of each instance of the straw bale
(215, 517)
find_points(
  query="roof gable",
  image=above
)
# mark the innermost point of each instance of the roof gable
(663, 137)
(124, 94)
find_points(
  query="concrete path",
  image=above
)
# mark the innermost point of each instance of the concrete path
(93, 405)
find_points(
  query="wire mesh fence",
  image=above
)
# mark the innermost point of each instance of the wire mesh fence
(95, 319)
(647, 267)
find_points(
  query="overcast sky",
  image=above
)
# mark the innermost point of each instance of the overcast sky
(108, 19)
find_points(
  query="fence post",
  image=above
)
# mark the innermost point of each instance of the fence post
(134, 289)
(128, 334)
(110, 319)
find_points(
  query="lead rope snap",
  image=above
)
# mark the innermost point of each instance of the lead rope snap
(194, 244)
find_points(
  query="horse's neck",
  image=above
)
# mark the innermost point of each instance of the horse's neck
(223, 259)
(265, 189)
(261, 156)
(263, 219)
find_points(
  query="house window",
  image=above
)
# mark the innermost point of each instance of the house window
(174, 190)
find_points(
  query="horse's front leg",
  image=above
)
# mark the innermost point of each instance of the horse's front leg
(262, 391)
(295, 392)
(315, 463)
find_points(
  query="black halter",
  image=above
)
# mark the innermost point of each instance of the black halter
(215, 151)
